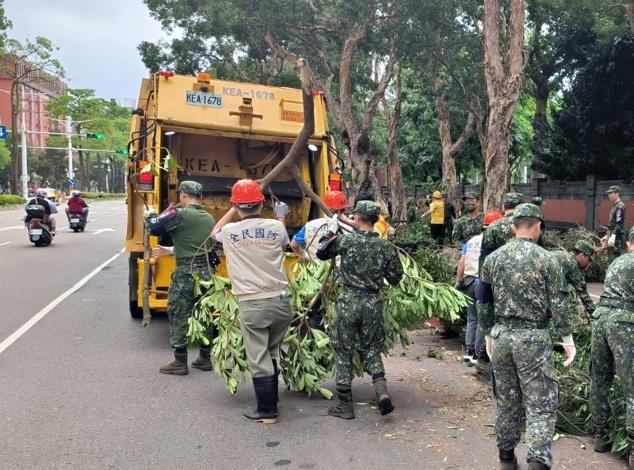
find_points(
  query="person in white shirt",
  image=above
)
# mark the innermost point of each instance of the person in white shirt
(466, 281)
(254, 252)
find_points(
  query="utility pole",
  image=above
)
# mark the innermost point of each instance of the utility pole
(69, 133)
(24, 177)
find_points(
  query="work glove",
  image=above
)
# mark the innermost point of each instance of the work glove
(333, 225)
(489, 345)
(149, 214)
(569, 350)
(611, 240)
(281, 210)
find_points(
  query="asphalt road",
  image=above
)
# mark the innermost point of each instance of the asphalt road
(81, 388)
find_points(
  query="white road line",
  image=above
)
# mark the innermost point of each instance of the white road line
(102, 230)
(5, 243)
(46, 310)
(595, 296)
(13, 227)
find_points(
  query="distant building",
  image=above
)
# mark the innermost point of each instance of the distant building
(39, 90)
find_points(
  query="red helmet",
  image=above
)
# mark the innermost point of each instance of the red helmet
(491, 217)
(336, 201)
(246, 192)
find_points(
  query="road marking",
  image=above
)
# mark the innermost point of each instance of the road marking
(102, 230)
(5, 243)
(594, 296)
(13, 227)
(46, 310)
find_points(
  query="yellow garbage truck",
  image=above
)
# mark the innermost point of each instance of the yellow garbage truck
(214, 132)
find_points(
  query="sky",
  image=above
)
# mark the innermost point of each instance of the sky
(97, 39)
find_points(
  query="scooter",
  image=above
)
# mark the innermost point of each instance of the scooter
(39, 232)
(77, 222)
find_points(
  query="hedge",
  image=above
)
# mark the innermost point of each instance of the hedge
(88, 195)
(6, 199)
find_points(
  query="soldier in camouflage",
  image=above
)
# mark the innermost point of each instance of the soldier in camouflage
(615, 238)
(613, 349)
(572, 264)
(366, 260)
(470, 224)
(189, 225)
(500, 232)
(527, 287)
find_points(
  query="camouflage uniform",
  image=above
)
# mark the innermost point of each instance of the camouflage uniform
(616, 226)
(528, 289)
(613, 342)
(466, 228)
(189, 227)
(575, 279)
(366, 260)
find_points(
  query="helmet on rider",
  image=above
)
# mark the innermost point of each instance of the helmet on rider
(39, 192)
(336, 201)
(76, 193)
(246, 193)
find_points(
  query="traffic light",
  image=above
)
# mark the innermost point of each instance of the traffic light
(95, 135)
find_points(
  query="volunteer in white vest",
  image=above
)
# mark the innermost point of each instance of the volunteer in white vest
(306, 241)
(466, 281)
(254, 252)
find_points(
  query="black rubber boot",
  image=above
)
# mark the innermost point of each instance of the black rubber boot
(508, 461)
(344, 409)
(266, 395)
(178, 366)
(276, 375)
(382, 398)
(537, 466)
(204, 360)
(601, 440)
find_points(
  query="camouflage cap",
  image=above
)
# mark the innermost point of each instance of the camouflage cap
(537, 200)
(527, 210)
(585, 247)
(614, 189)
(471, 195)
(630, 237)
(368, 208)
(513, 198)
(191, 187)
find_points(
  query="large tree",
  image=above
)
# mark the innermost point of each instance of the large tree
(503, 70)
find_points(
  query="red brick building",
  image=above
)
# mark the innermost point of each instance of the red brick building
(38, 89)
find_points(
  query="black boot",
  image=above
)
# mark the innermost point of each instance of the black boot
(508, 461)
(537, 466)
(204, 360)
(266, 395)
(178, 366)
(382, 398)
(344, 409)
(276, 375)
(601, 440)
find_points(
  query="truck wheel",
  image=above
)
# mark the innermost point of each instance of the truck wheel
(136, 312)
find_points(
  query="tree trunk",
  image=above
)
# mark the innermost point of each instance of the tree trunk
(541, 129)
(503, 73)
(397, 188)
(84, 181)
(629, 10)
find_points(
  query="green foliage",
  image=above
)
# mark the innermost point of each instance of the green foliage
(5, 156)
(574, 415)
(89, 195)
(594, 132)
(437, 264)
(307, 356)
(6, 199)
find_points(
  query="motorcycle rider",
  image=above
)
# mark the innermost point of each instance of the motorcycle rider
(49, 207)
(76, 205)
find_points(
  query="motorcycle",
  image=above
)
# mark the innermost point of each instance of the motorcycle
(39, 232)
(77, 222)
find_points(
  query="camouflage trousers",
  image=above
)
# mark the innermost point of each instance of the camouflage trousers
(181, 300)
(523, 375)
(358, 323)
(612, 352)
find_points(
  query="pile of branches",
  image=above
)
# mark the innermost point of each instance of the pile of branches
(306, 353)
(566, 240)
(574, 416)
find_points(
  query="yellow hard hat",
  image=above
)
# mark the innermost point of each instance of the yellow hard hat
(437, 195)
